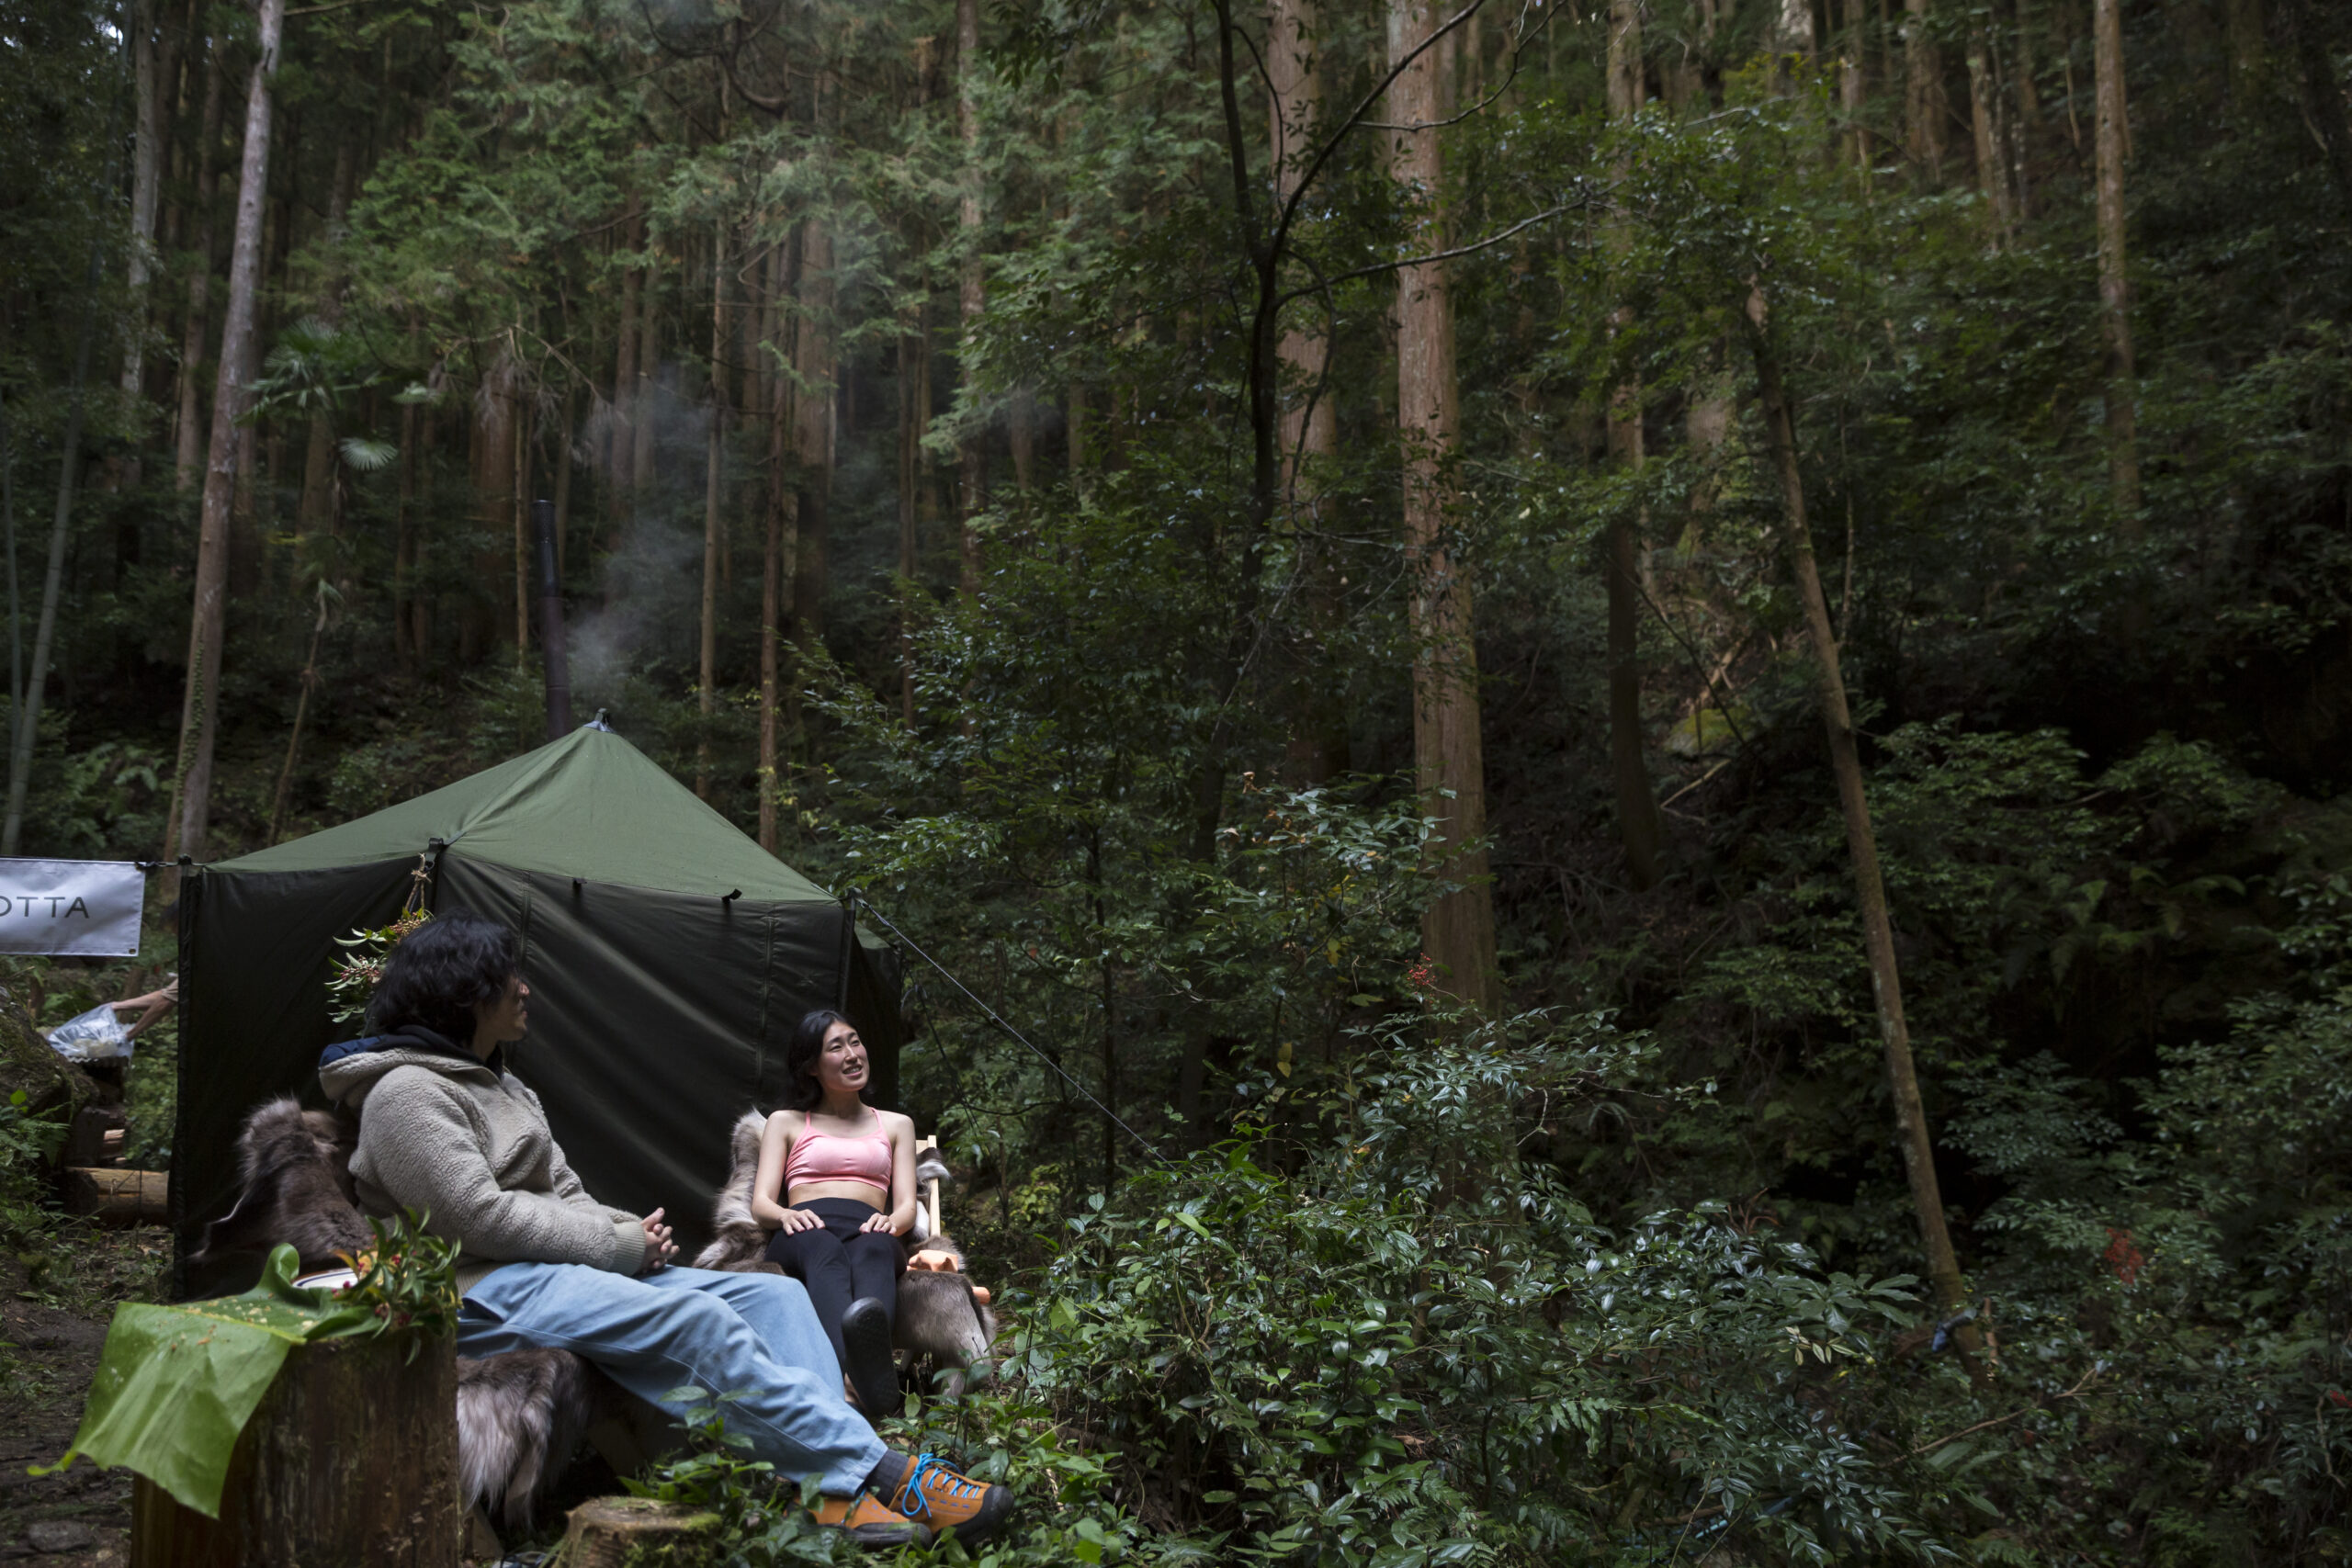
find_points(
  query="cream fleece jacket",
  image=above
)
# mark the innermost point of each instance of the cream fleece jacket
(470, 1148)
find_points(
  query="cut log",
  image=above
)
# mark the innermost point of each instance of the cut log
(351, 1458)
(605, 1532)
(117, 1197)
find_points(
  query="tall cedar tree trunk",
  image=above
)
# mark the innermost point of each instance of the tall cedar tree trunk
(913, 417)
(285, 793)
(194, 331)
(1318, 745)
(565, 435)
(489, 464)
(817, 372)
(404, 645)
(714, 454)
(620, 429)
(2246, 51)
(8, 543)
(1458, 930)
(1852, 88)
(2317, 89)
(316, 512)
(1640, 824)
(1923, 94)
(1984, 122)
(1021, 442)
(2114, 284)
(150, 69)
(522, 410)
(971, 455)
(208, 625)
(266, 481)
(1794, 35)
(776, 559)
(644, 411)
(1861, 842)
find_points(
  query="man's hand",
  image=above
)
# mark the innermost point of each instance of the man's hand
(659, 1248)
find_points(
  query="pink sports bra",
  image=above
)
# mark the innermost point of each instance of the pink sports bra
(828, 1157)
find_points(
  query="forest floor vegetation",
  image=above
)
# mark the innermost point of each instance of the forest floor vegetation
(57, 1294)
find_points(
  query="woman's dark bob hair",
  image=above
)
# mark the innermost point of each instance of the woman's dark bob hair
(446, 968)
(802, 1091)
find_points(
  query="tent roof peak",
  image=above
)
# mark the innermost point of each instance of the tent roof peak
(587, 805)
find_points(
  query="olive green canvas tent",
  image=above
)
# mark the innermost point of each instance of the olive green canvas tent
(669, 957)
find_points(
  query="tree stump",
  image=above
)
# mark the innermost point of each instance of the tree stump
(351, 1458)
(605, 1531)
(117, 1197)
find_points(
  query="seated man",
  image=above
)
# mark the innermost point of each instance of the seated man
(447, 1131)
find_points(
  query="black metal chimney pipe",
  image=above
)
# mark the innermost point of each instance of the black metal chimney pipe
(559, 667)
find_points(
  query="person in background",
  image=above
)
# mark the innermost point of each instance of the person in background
(447, 1131)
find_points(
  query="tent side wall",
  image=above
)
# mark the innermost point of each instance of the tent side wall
(657, 1019)
(872, 1006)
(256, 951)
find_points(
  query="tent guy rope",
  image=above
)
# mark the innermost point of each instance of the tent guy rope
(858, 901)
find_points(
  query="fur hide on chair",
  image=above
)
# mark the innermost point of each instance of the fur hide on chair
(520, 1415)
(295, 1167)
(938, 1314)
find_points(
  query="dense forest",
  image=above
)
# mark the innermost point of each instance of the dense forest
(1655, 690)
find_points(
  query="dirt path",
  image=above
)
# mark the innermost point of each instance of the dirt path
(55, 1302)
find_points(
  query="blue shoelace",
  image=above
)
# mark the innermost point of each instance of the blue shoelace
(911, 1488)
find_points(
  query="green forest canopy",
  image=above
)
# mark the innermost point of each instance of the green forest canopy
(1295, 547)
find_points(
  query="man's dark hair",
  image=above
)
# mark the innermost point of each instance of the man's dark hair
(446, 968)
(802, 1091)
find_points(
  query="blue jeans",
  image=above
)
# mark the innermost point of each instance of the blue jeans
(752, 1334)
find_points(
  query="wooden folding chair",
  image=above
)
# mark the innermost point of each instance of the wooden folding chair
(930, 1198)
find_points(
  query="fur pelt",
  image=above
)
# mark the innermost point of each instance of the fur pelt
(938, 1316)
(941, 1318)
(295, 1167)
(520, 1416)
(738, 1243)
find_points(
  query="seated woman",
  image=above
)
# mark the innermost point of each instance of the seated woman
(847, 1173)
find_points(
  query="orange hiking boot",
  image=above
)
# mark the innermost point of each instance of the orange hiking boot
(926, 1490)
(869, 1523)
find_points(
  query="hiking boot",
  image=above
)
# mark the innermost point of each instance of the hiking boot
(927, 1490)
(869, 1523)
(866, 1345)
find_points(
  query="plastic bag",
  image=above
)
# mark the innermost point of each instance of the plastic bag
(94, 1036)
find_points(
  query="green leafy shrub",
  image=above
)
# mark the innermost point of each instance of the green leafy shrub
(29, 1144)
(1418, 1348)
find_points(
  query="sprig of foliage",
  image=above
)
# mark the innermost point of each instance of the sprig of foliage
(361, 968)
(408, 1280)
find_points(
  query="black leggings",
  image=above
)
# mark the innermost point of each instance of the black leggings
(840, 1263)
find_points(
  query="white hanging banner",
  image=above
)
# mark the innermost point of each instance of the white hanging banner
(85, 908)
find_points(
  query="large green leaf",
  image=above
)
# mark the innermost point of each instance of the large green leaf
(177, 1384)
